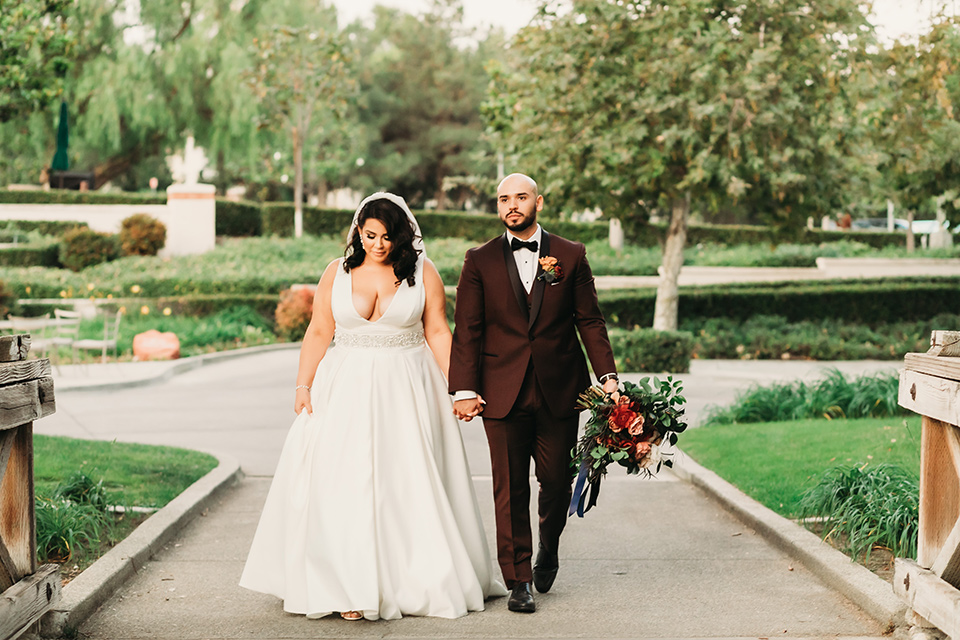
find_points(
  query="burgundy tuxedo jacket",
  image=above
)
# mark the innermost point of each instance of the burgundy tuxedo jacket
(499, 328)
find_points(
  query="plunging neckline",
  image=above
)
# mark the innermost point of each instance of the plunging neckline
(385, 311)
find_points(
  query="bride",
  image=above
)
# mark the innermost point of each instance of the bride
(372, 511)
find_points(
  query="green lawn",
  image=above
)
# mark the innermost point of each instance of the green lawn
(133, 474)
(775, 462)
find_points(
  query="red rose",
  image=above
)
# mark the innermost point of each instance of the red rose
(622, 415)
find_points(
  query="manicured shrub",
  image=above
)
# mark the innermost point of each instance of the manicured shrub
(42, 227)
(294, 313)
(46, 254)
(864, 302)
(651, 350)
(142, 235)
(82, 248)
(238, 219)
(66, 196)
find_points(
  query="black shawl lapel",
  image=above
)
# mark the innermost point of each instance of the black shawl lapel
(514, 276)
(538, 282)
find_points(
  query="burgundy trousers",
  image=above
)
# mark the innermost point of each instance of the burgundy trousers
(528, 432)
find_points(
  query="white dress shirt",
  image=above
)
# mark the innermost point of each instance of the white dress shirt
(527, 260)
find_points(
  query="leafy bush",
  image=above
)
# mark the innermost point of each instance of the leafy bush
(834, 396)
(651, 350)
(238, 218)
(294, 313)
(82, 248)
(142, 235)
(866, 507)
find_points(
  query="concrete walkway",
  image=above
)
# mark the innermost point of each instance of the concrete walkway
(656, 558)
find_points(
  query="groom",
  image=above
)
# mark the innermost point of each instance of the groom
(521, 300)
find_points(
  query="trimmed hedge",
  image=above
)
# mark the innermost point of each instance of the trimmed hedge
(68, 196)
(651, 350)
(476, 227)
(238, 219)
(43, 227)
(863, 301)
(31, 255)
(652, 235)
(264, 304)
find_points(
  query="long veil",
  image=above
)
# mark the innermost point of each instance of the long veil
(400, 202)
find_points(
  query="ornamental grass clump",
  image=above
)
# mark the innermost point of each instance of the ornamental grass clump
(866, 507)
(835, 396)
(74, 522)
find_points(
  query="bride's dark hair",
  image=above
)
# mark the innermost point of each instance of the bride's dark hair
(401, 233)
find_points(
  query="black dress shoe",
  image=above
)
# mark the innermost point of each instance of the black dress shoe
(521, 599)
(545, 570)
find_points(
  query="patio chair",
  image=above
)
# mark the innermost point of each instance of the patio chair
(37, 327)
(111, 329)
(66, 329)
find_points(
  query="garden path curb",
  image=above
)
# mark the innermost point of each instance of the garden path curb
(82, 596)
(835, 569)
(176, 367)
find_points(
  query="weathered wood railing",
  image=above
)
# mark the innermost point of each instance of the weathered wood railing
(930, 386)
(26, 393)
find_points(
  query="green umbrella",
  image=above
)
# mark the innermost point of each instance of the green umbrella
(60, 160)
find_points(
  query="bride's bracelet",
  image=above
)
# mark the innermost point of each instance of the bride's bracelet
(302, 386)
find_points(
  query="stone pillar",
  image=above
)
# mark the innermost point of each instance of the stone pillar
(190, 219)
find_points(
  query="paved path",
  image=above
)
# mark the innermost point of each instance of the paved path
(656, 559)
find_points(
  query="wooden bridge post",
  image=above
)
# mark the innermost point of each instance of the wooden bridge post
(26, 394)
(930, 386)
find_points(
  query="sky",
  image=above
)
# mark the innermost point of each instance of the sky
(894, 18)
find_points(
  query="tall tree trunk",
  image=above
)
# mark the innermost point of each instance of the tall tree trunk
(297, 183)
(911, 242)
(323, 192)
(668, 297)
(221, 181)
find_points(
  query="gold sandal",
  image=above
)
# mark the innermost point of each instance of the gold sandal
(351, 615)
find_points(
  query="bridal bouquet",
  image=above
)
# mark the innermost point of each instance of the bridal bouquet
(634, 432)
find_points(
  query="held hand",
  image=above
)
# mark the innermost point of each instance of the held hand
(610, 387)
(468, 408)
(302, 402)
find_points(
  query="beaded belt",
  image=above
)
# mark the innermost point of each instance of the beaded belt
(367, 341)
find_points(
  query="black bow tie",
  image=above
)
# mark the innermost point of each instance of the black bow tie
(520, 244)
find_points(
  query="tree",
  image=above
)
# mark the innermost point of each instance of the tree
(635, 105)
(35, 41)
(422, 82)
(300, 72)
(917, 122)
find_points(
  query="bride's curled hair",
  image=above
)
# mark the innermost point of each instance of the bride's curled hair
(401, 232)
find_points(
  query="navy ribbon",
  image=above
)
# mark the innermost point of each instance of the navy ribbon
(578, 497)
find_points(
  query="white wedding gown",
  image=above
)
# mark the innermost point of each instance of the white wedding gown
(372, 507)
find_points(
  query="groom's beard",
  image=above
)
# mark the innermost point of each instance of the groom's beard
(523, 224)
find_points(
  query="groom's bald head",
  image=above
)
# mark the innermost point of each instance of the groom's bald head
(516, 181)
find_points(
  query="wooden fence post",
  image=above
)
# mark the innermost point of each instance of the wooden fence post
(930, 386)
(26, 394)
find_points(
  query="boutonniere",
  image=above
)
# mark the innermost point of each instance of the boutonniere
(552, 272)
